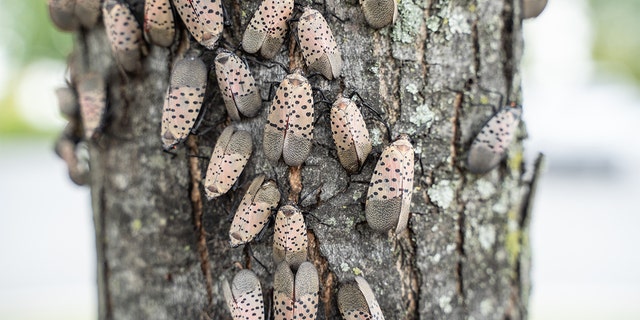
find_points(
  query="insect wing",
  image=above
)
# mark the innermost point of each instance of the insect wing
(489, 146)
(379, 13)
(62, 14)
(183, 100)
(372, 303)
(350, 134)
(267, 28)
(124, 34)
(229, 157)
(273, 138)
(389, 194)
(299, 133)
(319, 48)
(203, 18)
(290, 237)
(159, 26)
(244, 297)
(92, 98)
(307, 286)
(283, 294)
(238, 87)
(254, 211)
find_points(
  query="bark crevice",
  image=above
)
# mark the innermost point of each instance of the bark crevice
(197, 214)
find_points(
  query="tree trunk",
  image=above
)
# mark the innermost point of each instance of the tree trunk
(438, 74)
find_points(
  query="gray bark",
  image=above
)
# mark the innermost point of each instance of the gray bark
(438, 75)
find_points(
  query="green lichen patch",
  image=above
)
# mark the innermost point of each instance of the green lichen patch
(409, 23)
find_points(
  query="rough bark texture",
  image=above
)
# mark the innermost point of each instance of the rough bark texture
(438, 75)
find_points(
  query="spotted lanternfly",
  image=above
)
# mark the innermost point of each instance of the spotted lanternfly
(92, 97)
(67, 102)
(203, 18)
(183, 99)
(254, 211)
(238, 88)
(356, 301)
(532, 8)
(295, 298)
(350, 134)
(319, 48)
(62, 14)
(88, 12)
(267, 28)
(124, 34)
(389, 194)
(379, 13)
(230, 155)
(289, 127)
(65, 148)
(159, 27)
(290, 237)
(244, 296)
(488, 148)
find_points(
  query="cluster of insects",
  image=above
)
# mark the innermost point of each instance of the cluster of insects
(288, 132)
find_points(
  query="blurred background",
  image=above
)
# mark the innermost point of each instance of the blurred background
(582, 109)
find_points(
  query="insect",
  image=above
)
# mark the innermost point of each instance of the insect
(267, 28)
(124, 34)
(489, 146)
(389, 194)
(295, 298)
(62, 14)
(92, 98)
(290, 237)
(88, 12)
(230, 155)
(244, 296)
(356, 301)
(203, 18)
(289, 127)
(379, 13)
(159, 27)
(183, 99)
(254, 211)
(319, 48)
(350, 134)
(239, 90)
(67, 102)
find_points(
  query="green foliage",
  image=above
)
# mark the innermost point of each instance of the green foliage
(28, 36)
(31, 34)
(616, 42)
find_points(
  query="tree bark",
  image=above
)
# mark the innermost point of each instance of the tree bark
(438, 74)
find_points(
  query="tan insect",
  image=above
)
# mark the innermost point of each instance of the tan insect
(203, 18)
(88, 12)
(229, 157)
(124, 33)
(380, 13)
(62, 13)
(238, 87)
(244, 296)
(295, 298)
(159, 27)
(267, 28)
(319, 48)
(391, 186)
(93, 102)
(356, 301)
(254, 211)
(67, 102)
(350, 134)
(290, 237)
(183, 99)
(289, 129)
(490, 145)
